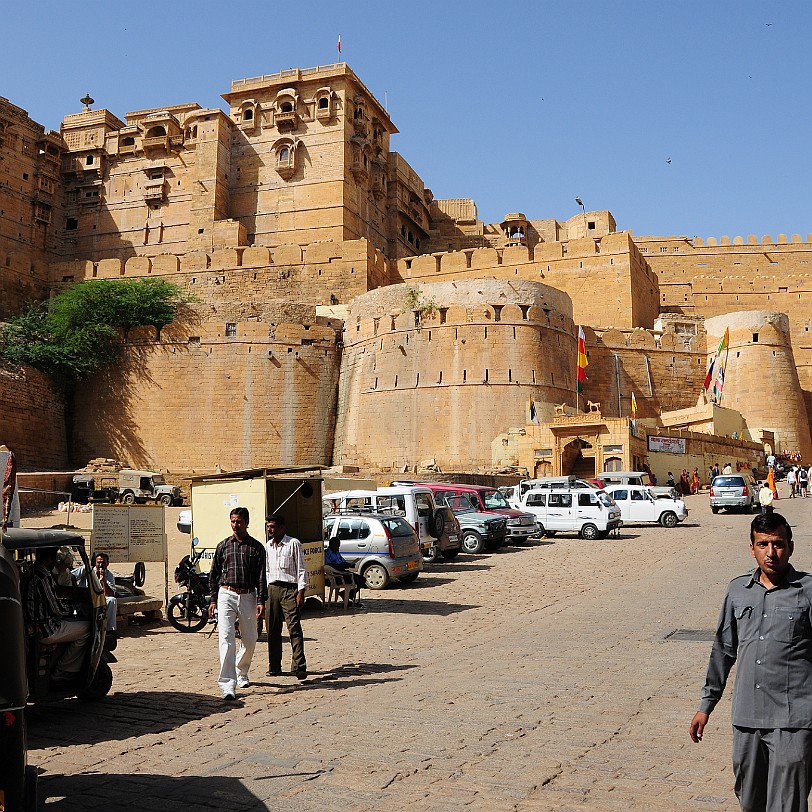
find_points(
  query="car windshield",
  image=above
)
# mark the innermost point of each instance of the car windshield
(158, 479)
(728, 482)
(459, 504)
(605, 499)
(494, 500)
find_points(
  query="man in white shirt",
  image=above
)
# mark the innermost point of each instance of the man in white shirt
(106, 578)
(287, 582)
(791, 481)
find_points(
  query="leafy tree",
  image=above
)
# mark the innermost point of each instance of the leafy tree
(77, 332)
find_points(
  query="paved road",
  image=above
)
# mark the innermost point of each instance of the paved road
(537, 678)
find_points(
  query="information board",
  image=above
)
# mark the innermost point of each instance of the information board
(671, 445)
(314, 564)
(129, 532)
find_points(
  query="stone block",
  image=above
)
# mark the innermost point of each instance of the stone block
(138, 266)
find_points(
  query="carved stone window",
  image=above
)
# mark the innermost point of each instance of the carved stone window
(324, 104)
(286, 116)
(285, 149)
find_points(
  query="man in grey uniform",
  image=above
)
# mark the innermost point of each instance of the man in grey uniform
(766, 626)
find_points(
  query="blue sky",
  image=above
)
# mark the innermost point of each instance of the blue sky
(522, 107)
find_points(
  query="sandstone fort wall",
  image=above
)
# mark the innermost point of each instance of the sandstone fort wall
(33, 419)
(320, 273)
(607, 279)
(196, 397)
(442, 385)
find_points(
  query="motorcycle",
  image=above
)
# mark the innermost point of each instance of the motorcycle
(189, 611)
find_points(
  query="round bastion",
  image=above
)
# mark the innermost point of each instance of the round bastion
(761, 380)
(438, 371)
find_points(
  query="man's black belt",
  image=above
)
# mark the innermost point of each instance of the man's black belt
(283, 583)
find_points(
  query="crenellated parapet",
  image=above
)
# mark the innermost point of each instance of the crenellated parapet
(319, 273)
(599, 274)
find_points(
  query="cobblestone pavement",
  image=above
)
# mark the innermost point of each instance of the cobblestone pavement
(535, 678)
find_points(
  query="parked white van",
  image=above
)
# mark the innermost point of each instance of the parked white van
(638, 505)
(514, 493)
(589, 512)
(414, 503)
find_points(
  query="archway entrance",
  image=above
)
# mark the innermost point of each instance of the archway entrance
(578, 459)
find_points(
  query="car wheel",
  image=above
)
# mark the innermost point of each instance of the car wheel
(714, 510)
(407, 579)
(450, 555)
(668, 519)
(589, 532)
(472, 542)
(376, 576)
(128, 498)
(166, 500)
(430, 556)
(100, 686)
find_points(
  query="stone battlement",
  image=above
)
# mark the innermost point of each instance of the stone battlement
(326, 252)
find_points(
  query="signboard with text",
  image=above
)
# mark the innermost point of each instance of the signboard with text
(670, 445)
(129, 532)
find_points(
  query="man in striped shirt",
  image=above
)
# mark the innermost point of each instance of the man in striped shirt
(287, 582)
(238, 593)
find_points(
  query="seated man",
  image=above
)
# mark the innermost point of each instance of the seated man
(101, 562)
(334, 559)
(46, 616)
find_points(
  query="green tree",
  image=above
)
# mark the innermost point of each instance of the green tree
(78, 331)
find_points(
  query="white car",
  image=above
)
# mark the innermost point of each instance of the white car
(586, 511)
(638, 506)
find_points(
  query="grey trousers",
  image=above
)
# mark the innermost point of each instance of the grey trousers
(282, 606)
(773, 769)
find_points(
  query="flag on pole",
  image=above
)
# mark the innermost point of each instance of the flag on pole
(339, 43)
(583, 362)
(531, 409)
(719, 381)
(723, 345)
(634, 406)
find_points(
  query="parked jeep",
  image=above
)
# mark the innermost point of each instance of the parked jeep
(145, 486)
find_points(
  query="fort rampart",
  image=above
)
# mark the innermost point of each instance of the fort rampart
(760, 376)
(33, 419)
(320, 273)
(255, 395)
(441, 377)
(606, 278)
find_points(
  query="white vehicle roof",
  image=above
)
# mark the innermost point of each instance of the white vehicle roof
(396, 490)
(618, 474)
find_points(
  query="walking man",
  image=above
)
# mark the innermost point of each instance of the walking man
(287, 581)
(238, 592)
(766, 626)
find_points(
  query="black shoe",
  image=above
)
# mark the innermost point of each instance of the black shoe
(273, 672)
(301, 674)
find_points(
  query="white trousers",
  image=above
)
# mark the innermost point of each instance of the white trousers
(75, 633)
(112, 609)
(235, 661)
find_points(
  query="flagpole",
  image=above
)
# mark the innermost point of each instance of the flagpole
(724, 372)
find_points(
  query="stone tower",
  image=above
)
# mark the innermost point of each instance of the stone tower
(438, 372)
(761, 380)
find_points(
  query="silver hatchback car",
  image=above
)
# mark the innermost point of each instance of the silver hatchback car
(733, 492)
(379, 547)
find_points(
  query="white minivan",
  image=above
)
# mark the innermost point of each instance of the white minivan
(638, 506)
(414, 503)
(590, 513)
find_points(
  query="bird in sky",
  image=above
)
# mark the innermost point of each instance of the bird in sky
(668, 160)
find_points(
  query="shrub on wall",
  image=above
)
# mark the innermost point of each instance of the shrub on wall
(78, 330)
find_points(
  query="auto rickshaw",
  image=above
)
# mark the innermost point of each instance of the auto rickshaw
(18, 781)
(95, 678)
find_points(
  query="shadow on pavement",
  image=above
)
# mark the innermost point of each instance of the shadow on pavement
(119, 716)
(349, 675)
(140, 791)
(417, 607)
(458, 566)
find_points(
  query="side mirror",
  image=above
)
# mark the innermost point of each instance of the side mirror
(194, 541)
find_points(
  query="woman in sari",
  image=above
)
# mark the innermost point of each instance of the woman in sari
(771, 483)
(684, 483)
(695, 481)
